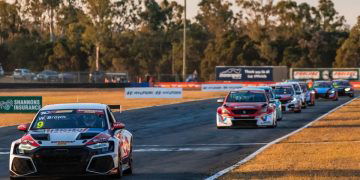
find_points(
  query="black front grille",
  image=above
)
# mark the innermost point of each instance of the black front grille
(242, 118)
(101, 164)
(244, 123)
(244, 111)
(61, 160)
(22, 166)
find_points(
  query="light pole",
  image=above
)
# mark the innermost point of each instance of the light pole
(184, 44)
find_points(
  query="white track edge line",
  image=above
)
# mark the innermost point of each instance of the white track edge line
(251, 156)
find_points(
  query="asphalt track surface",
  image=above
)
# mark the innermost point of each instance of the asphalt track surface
(181, 141)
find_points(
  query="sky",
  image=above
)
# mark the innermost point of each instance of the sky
(348, 8)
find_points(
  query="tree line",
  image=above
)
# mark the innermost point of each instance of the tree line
(145, 36)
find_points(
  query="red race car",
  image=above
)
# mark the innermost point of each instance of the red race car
(250, 107)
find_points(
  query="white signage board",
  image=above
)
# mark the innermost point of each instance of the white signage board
(153, 92)
(220, 87)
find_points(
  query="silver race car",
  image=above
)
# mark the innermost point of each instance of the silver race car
(72, 140)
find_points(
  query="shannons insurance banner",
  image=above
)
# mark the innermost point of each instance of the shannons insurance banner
(243, 73)
(20, 104)
(325, 73)
(153, 92)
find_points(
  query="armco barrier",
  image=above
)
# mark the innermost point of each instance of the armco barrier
(62, 85)
(197, 85)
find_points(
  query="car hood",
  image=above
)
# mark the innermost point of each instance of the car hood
(65, 137)
(343, 87)
(255, 105)
(322, 90)
(284, 97)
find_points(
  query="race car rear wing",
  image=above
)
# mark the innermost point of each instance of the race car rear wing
(115, 107)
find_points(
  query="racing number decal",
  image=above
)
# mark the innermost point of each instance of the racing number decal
(40, 124)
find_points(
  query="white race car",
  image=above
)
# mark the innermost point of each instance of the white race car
(72, 140)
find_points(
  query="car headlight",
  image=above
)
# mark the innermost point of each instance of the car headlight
(294, 99)
(224, 111)
(102, 146)
(332, 91)
(347, 89)
(264, 109)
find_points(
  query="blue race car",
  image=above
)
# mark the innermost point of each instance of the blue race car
(325, 89)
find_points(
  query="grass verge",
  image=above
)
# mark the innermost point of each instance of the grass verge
(105, 96)
(328, 149)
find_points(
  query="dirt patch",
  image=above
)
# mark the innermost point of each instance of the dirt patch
(328, 149)
(105, 96)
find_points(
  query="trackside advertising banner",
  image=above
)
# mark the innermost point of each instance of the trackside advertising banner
(220, 87)
(243, 73)
(325, 73)
(153, 92)
(20, 104)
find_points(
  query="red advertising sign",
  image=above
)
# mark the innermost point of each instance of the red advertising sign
(345, 74)
(306, 74)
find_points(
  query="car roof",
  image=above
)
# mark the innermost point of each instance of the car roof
(74, 106)
(249, 89)
(263, 87)
(282, 85)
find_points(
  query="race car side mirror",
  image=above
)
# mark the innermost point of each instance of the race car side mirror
(220, 101)
(23, 127)
(118, 125)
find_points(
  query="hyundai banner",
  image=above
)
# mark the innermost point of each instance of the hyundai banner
(243, 73)
(153, 92)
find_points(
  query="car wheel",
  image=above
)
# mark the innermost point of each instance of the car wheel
(119, 172)
(351, 95)
(298, 111)
(19, 178)
(304, 106)
(130, 169)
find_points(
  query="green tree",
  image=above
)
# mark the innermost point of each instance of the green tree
(348, 55)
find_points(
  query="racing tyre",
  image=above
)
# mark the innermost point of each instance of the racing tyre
(304, 106)
(130, 169)
(298, 111)
(20, 178)
(120, 172)
(219, 127)
(351, 95)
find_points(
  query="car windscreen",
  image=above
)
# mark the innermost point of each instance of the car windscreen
(304, 87)
(322, 85)
(342, 83)
(72, 118)
(246, 97)
(283, 90)
(297, 88)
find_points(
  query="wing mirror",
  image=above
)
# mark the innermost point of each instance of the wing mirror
(118, 125)
(220, 101)
(23, 127)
